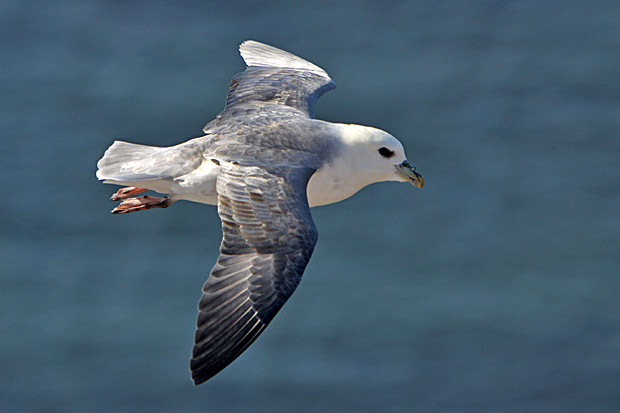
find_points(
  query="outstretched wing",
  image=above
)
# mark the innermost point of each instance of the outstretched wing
(269, 236)
(278, 77)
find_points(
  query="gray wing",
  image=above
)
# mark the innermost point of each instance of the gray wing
(275, 77)
(269, 236)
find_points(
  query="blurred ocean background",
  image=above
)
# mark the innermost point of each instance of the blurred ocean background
(494, 288)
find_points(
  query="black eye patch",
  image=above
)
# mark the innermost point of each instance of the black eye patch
(385, 152)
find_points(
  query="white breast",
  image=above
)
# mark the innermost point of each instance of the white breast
(332, 184)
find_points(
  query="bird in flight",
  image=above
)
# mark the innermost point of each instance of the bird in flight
(264, 161)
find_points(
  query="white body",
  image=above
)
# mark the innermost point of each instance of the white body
(357, 166)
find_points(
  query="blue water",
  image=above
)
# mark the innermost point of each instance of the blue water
(494, 288)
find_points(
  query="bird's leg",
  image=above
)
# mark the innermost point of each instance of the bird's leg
(143, 202)
(129, 204)
(127, 192)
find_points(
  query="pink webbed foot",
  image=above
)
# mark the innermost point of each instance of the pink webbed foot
(140, 203)
(127, 192)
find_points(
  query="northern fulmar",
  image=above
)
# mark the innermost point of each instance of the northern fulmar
(264, 161)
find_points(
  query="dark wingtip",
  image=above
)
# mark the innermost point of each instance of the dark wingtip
(198, 380)
(202, 373)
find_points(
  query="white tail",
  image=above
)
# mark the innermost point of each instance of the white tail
(124, 161)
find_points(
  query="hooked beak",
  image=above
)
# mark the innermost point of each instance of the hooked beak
(408, 172)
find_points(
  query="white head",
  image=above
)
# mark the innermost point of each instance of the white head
(367, 155)
(378, 156)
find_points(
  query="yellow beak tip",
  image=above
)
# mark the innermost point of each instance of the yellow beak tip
(420, 182)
